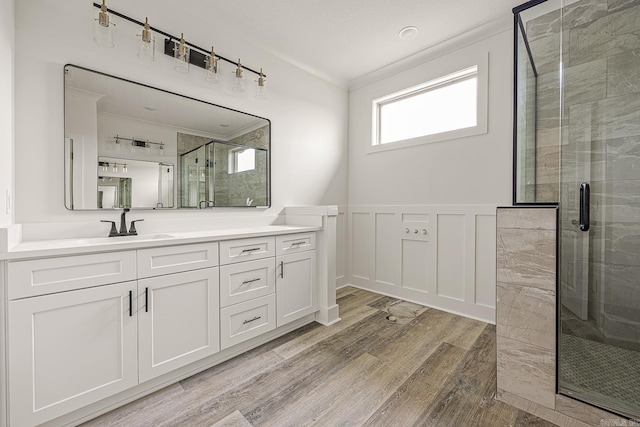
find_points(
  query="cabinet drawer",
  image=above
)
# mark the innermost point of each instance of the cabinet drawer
(246, 280)
(290, 243)
(246, 249)
(46, 276)
(176, 259)
(246, 320)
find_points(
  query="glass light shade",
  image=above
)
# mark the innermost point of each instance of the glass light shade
(212, 72)
(181, 54)
(262, 90)
(161, 149)
(115, 167)
(124, 167)
(147, 44)
(238, 82)
(147, 50)
(103, 33)
(261, 93)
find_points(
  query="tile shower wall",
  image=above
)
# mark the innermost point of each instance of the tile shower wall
(232, 188)
(526, 319)
(598, 142)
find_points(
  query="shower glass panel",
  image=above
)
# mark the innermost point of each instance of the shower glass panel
(585, 58)
(194, 178)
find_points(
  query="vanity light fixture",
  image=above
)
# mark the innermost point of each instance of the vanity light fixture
(181, 54)
(114, 166)
(147, 44)
(161, 148)
(238, 82)
(212, 68)
(262, 90)
(103, 32)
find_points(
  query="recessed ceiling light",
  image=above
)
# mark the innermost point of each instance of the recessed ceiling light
(408, 33)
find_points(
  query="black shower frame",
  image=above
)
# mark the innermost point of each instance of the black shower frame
(517, 24)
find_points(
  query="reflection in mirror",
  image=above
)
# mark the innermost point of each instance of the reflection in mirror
(138, 137)
(219, 173)
(138, 183)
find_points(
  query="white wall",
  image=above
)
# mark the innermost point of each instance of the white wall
(308, 115)
(471, 170)
(449, 189)
(7, 44)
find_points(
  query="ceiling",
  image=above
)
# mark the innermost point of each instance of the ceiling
(342, 40)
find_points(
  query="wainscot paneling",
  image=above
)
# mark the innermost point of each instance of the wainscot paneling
(440, 256)
(341, 247)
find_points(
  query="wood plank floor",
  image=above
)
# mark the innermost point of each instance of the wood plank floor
(387, 363)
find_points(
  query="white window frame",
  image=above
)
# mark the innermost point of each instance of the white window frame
(453, 72)
(233, 159)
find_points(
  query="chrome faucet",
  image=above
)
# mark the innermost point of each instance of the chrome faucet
(123, 226)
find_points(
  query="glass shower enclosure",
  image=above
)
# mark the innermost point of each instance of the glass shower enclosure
(577, 145)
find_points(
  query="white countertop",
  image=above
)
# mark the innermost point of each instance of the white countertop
(78, 246)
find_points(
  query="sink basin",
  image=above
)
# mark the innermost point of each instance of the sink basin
(120, 239)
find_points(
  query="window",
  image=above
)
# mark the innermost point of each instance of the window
(443, 108)
(242, 159)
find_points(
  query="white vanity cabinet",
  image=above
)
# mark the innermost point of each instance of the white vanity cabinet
(70, 349)
(296, 289)
(90, 331)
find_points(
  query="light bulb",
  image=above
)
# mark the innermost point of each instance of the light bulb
(181, 54)
(147, 44)
(238, 82)
(124, 167)
(161, 149)
(103, 33)
(115, 167)
(212, 68)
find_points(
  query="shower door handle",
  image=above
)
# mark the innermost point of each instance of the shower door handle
(584, 206)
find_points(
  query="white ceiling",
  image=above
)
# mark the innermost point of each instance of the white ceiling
(341, 40)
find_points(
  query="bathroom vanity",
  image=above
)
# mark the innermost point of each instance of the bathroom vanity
(93, 323)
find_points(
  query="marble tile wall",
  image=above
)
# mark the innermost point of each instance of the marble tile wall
(526, 319)
(594, 136)
(525, 311)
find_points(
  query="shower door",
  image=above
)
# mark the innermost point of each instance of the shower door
(599, 277)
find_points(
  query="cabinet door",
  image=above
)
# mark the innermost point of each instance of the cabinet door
(296, 291)
(70, 349)
(178, 320)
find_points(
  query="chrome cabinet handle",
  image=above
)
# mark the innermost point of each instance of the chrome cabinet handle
(130, 303)
(249, 250)
(297, 244)
(251, 320)
(282, 269)
(146, 300)
(246, 282)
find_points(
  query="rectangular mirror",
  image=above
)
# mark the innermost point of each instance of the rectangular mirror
(131, 145)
